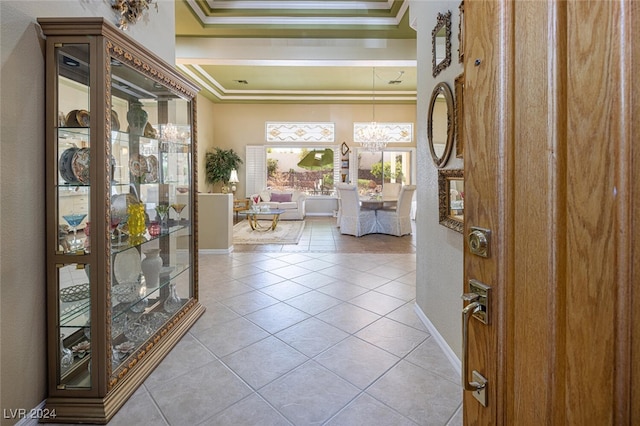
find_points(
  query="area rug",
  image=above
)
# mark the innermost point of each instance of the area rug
(287, 232)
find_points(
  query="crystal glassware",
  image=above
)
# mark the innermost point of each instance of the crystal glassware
(173, 302)
(66, 355)
(74, 219)
(123, 221)
(178, 207)
(163, 211)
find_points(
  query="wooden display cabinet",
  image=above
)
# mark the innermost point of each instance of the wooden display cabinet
(120, 147)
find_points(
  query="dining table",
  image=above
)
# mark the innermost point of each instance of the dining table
(378, 202)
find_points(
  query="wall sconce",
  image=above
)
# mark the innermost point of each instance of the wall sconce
(233, 179)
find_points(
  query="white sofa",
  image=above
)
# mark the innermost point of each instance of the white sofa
(292, 202)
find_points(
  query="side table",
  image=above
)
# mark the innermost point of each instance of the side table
(240, 205)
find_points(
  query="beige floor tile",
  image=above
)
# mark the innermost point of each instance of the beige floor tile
(439, 398)
(264, 361)
(392, 336)
(309, 395)
(358, 362)
(348, 302)
(312, 336)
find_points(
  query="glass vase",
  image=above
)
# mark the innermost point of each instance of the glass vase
(66, 355)
(172, 303)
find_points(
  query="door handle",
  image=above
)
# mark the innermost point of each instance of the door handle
(469, 310)
(479, 385)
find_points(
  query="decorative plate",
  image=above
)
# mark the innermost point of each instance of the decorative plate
(64, 165)
(75, 293)
(72, 119)
(82, 117)
(80, 165)
(138, 165)
(152, 169)
(126, 266)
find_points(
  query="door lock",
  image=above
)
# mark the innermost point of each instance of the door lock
(479, 240)
(480, 293)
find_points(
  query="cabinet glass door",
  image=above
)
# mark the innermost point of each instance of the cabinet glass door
(73, 216)
(151, 240)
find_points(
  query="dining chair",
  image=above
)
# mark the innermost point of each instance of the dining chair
(397, 222)
(353, 220)
(391, 190)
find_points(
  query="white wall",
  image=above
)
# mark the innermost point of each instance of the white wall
(439, 249)
(23, 369)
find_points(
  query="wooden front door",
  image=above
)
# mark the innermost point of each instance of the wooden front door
(552, 160)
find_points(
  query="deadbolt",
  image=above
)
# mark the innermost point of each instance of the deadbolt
(479, 239)
(480, 293)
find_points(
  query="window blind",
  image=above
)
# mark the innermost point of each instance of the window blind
(255, 170)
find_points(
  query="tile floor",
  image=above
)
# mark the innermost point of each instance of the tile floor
(322, 333)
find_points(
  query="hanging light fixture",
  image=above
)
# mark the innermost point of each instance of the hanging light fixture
(373, 137)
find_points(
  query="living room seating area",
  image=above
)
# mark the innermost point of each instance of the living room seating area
(292, 202)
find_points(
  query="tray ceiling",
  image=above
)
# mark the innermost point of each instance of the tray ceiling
(298, 51)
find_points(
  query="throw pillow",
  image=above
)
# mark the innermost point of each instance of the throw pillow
(281, 198)
(265, 196)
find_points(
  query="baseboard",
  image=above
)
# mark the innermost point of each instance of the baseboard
(323, 214)
(216, 251)
(31, 417)
(451, 356)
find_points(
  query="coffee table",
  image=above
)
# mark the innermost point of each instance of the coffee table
(253, 217)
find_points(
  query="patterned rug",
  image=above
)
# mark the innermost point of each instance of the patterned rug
(287, 232)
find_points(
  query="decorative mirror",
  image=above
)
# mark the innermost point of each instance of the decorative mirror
(441, 38)
(440, 124)
(451, 199)
(459, 127)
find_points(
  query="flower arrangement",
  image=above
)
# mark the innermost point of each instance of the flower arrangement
(255, 199)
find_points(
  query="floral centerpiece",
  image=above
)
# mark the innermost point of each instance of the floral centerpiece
(255, 199)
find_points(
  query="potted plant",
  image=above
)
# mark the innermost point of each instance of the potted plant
(218, 166)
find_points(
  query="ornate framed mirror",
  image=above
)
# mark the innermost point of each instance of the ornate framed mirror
(451, 199)
(440, 124)
(441, 38)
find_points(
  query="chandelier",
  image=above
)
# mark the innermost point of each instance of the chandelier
(373, 137)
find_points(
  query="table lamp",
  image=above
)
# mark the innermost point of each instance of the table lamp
(233, 179)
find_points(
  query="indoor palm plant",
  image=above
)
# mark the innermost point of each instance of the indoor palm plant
(218, 165)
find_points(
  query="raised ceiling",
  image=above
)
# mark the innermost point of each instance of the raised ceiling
(298, 51)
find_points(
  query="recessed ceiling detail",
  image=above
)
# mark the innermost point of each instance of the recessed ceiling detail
(297, 51)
